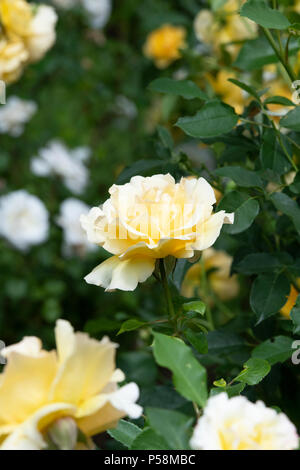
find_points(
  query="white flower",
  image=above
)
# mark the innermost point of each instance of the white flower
(69, 220)
(55, 158)
(98, 12)
(14, 115)
(125, 107)
(42, 32)
(238, 424)
(23, 219)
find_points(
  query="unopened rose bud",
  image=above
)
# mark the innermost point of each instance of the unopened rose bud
(63, 433)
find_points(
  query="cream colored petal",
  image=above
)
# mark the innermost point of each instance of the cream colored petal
(65, 339)
(29, 346)
(103, 411)
(124, 275)
(106, 418)
(102, 274)
(85, 371)
(92, 224)
(209, 230)
(161, 249)
(25, 384)
(124, 399)
(28, 435)
(198, 191)
(118, 376)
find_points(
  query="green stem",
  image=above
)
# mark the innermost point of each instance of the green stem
(283, 147)
(280, 55)
(167, 292)
(210, 317)
(254, 123)
(204, 282)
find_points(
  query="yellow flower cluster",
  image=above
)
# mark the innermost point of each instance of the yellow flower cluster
(27, 31)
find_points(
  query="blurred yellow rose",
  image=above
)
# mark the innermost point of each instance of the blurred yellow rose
(147, 219)
(224, 26)
(28, 32)
(163, 45)
(13, 57)
(16, 16)
(78, 380)
(216, 265)
(297, 6)
(291, 300)
(230, 93)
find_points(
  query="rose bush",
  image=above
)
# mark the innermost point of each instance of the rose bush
(187, 115)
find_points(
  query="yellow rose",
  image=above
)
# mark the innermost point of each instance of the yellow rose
(163, 44)
(79, 380)
(147, 219)
(230, 93)
(16, 16)
(13, 57)
(291, 301)
(219, 263)
(205, 26)
(224, 26)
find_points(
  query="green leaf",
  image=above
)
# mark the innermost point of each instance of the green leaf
(220, 383)
(149, 440)
(272, 155)
(214, 118)
(255, 369)
(258, 52)
(130, 325)
(223, 342)
(125, 432)
(181, 268)
(295, 186)
(268, 294)
(231, 390)
(241, 176)
(139, 367)
(185, 88)
(279, 100)
(287, 206)
(195, 306)
(245, 210)
(163, 396)
(165, 137)
(251, 91)
(197, 339)
(292, 119)
(295, 317)
(278, 349)
(262, 14)
(189, 376)
(172, 426)
(256, 263)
